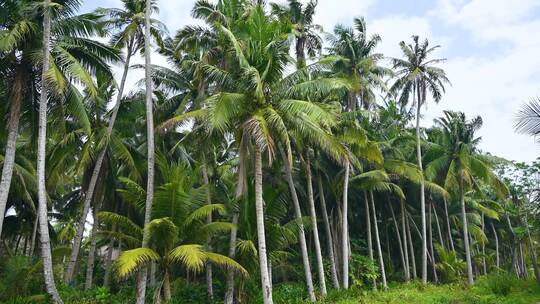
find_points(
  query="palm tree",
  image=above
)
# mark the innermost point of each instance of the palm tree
(42, 191)
(528, 118)
(358, 62)
(130, 37)
(75, 58)
(305, 32)
(456, 158)
(417, 75)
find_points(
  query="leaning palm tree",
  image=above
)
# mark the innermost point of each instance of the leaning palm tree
(456, 158)
(42, 137)
(417, 76)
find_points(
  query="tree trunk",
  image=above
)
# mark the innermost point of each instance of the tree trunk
(439, 230)
(378, 241)
(209, 283)
(141, 280)
(400, 244)
(259, 211)
(470, 278)
(345, 229)
(108, 264)
(368, 226)
(41, 157)
(497, 258)
(229, 294)
(484, 265)
(532, 251)
(11, 144)
(92, 252)
(301, 233)
(167, 286)
(430, 233)
(451, 240)
(316, 242)
(411, 245)
(93, 180)
(34, 235)
(405, 243)
(329, 240)
(422, 193)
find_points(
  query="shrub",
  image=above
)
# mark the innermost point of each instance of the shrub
(499, 283)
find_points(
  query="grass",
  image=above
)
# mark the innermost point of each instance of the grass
(486, 291)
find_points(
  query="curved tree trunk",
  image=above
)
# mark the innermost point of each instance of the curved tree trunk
(345, 229)
(470, 278)
(301, 233)
(422, 191)
(316, 242)
(329, 241)
(259, 211)
(141, 279)
(46, 254)
(11, 144)
(68, 276)
(451, 240)
(378, 241)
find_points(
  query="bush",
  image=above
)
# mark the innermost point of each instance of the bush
(500, 283)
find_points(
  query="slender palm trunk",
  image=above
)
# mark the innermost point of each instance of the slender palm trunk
(484, 265)
(141, 280)
(430, 236)
(398, 237)
(34, 235)
(439, 230)
(45, 241)
(378, 241)
(411, 246)
(329, 240)
(11, 144)
(70, 270)
(470, 278)
(92, 252)
(450, 239)
(497, 257)
(108, 263)
(229, 294)
(345, 229)
(259, 211)
(313, 214)
(301, 233)
(209, 283)
(405, 243)
(422, 192)
(368, 233)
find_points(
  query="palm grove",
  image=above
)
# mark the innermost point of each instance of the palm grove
(261, 155)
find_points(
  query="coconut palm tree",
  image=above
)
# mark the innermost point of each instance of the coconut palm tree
(457, 159)
(417, 75)
(305, 32)
(42, 136)
(130, 26)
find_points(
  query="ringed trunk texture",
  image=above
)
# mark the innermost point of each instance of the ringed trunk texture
(11, 145)
(301, 233)
(46, 254)
(70, 270)
(329, 241)
(345, 229)
(259, 211)
(316, 242)
(378, 241)
(470, 278)
(141, 280)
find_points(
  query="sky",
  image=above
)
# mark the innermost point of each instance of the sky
(492, 49)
